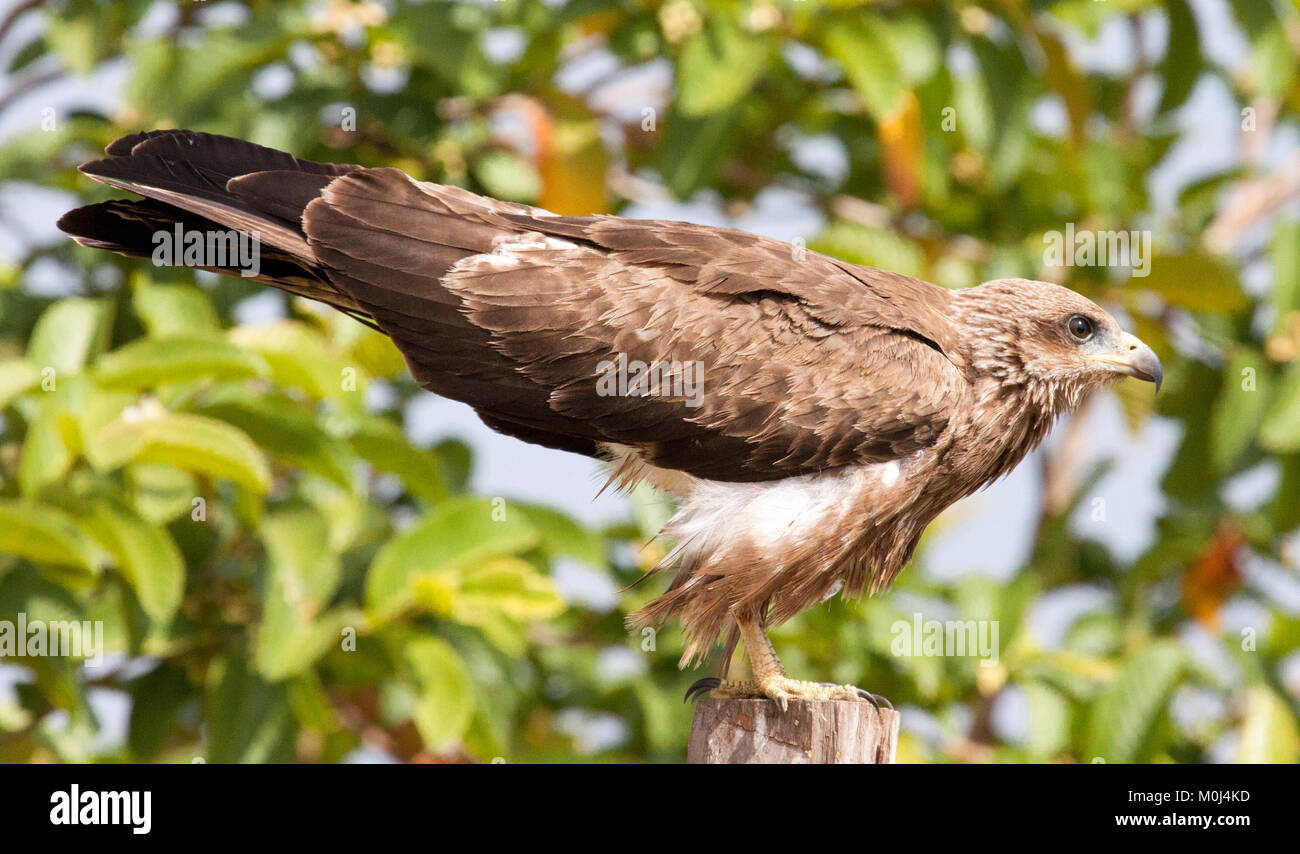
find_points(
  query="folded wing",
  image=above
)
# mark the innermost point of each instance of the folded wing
(776, 361)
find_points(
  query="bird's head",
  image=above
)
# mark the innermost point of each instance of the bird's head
(1048, 338)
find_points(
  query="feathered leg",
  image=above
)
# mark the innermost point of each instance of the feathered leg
(770, 680)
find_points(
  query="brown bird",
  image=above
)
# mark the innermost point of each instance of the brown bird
(811, 416)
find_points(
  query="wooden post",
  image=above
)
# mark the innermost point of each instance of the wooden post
(812, 732)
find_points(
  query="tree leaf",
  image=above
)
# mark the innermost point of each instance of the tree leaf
(173, 310)
(299, 357)
(276, 425)
(1182, 61)
(145, 554)
(1069, 84)
(248, 719)
(1196, 282)
(1236, 417)
(1268, 730)
(508, 586)
(1049, 720)
(860, 46)
(43, 534)
(67, 333)
(561, 536)
(457, 534)
(719, 64)
(157, 698)
(1125, 714)
(1280, 432)
(190, 442)
(446, 695)
(151, 362)
(382, 444)
(17, 376)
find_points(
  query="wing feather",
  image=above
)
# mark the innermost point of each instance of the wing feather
(808, 363)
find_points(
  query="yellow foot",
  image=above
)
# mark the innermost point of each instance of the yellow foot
(782, 689)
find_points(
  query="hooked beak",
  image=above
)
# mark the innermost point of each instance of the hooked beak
(1134, 359)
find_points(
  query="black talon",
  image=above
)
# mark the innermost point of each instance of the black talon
(870, 698)
(700, 687)
(784, 704)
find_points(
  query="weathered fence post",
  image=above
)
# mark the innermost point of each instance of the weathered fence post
(812, 732)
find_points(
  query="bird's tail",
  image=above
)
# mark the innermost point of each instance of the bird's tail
(203, 183)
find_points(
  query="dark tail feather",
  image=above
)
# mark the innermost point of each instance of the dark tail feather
(206, 182)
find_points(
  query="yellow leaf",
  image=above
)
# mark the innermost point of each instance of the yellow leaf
(902, 147)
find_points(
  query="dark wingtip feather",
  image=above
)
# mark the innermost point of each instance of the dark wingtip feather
(97, 168)
(123, 145)
(102, 226)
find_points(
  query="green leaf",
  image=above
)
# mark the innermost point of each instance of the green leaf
(562, 536)
(1284, 255)
(277, 425)
(67, 333)
(1069, 84)
(973, 104)
(34, 49)
(1241, 404)
(1196, 282)
(445, 38)
(297, 543)
(157, 698)
(50, 446)
(719, 65)
(859, 44)
(73, 39)
(508, 586)
(1049, 720)
(305, 573)
(299, 357)
(248, 719)
(43, 535)
(1268, 730)
(17, 376)
(160, 493)
(875, 247)
(173, 310)
(1125, 715)
(506, 175)
(151, 362)
(445, 704)
(915, 46)
(694, 148)
(1273, 63)
(190, 442)
(457, 534)
(383, 444)
(145, 553)
(1182, 62)
(1280, 432)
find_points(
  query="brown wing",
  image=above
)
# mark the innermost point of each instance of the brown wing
(807, 363)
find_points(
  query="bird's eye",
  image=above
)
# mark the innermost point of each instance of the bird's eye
(1080, 327)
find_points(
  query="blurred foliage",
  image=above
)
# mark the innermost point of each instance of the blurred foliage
(286, 576)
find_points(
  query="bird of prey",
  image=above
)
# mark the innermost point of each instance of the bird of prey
(841, 407)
